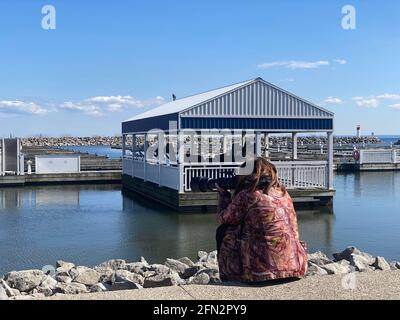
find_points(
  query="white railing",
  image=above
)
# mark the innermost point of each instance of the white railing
(379, 156)
(298, 175)
(293, 174)
(164, 175)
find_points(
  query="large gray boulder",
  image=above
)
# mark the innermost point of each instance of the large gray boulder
(100, 287)
(25, 281)
(187, 261)
(201, 254)
(9, 291)
(200, 278)
(395, 265)
(71, 288)
(319, 258)
(347, 254)
(105, 273)
(85, 275)
(212, 273)
(125, 285)
(162, 280)
(314, 269)
(360, 262)
(159, 268)
(176, 266)
(337, 268)
(381, 264)
(3, 294)
(213, 257)
(189, 272)
(184, 270)
(63, 277)
(65, 266)
(144, 261)
(114, 264)
(137, 267)
(210, 258)
(47, 286)
(126, 276)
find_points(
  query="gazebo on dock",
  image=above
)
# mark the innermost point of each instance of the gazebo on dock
(164, 148)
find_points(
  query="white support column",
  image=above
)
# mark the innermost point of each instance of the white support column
(1, 157)
(19, 158)
(330, 160)
(133, 154)
(145, 145)
(258, 144)
(294, 146)
(123, 146)
(181, 159)
(133, 146)
(161, 153)
(266, 145)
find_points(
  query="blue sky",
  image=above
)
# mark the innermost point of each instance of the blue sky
(107, 61)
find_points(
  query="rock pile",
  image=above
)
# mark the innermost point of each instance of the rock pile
(118, 274)
(349, 260)
(111, 275)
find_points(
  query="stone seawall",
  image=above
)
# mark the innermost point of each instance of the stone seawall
(68, 279)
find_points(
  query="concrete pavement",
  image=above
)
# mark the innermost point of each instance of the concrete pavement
(368, 285)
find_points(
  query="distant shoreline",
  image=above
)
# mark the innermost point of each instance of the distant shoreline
(116, 141)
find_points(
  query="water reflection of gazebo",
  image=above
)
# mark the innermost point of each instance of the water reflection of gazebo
(215, 121)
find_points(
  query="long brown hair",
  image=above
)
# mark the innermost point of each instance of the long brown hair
(262, 169)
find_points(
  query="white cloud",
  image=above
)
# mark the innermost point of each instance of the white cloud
(22, 107)
(85, 107)
(340, 61)
(395, 106)
(294, 64)
(389, 96)
(332, 100)
(97, 106)
(368, 102)
(375, 100)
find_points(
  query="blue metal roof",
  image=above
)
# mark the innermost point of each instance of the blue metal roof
(254, 104)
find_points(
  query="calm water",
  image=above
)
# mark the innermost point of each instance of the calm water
(98, 150)
(90, 224)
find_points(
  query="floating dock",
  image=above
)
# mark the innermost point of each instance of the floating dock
(113, 176)
(207, 201)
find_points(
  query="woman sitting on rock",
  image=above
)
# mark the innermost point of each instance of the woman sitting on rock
(258, 238)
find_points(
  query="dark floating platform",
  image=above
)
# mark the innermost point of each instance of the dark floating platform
(207, 201)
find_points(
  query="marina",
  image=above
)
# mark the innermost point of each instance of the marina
(89, 224)
(249, 112)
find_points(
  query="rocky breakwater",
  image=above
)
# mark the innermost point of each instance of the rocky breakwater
(111, 275)
(114, 141)
(118, 274)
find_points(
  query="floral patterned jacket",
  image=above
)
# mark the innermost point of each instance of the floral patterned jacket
(262, 239)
